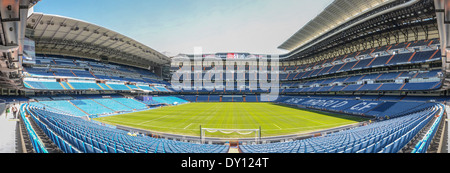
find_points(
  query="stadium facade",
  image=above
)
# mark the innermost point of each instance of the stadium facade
(382, 60)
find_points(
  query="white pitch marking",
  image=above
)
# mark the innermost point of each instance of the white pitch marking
(188, 126)
(277, 126)
(153, 120)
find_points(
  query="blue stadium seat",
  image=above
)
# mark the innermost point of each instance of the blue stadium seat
(108, 139)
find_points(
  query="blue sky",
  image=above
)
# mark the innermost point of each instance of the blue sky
(177, 26)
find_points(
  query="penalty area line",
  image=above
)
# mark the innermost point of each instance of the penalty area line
(277, 126)
(188, 126)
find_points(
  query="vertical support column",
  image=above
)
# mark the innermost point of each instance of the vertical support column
(446, 32)
(442, 8)
(14, 14)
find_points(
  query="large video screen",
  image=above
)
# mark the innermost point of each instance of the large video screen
(29, 52)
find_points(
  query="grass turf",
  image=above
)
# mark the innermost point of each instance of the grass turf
(274, 119)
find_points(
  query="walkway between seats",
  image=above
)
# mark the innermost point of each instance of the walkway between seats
(7, 134)
(448, 127)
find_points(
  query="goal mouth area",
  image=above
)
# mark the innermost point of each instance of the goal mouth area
(234, 133)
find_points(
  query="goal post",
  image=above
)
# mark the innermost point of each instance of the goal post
(256, 133)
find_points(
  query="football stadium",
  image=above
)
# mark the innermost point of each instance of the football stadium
(361, 77)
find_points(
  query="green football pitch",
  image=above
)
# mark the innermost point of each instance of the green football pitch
(274, 120)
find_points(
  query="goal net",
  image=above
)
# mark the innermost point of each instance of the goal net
(230, 134)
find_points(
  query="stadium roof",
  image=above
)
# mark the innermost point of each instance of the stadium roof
(375, 25)
(71, 37)
(337, 13)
